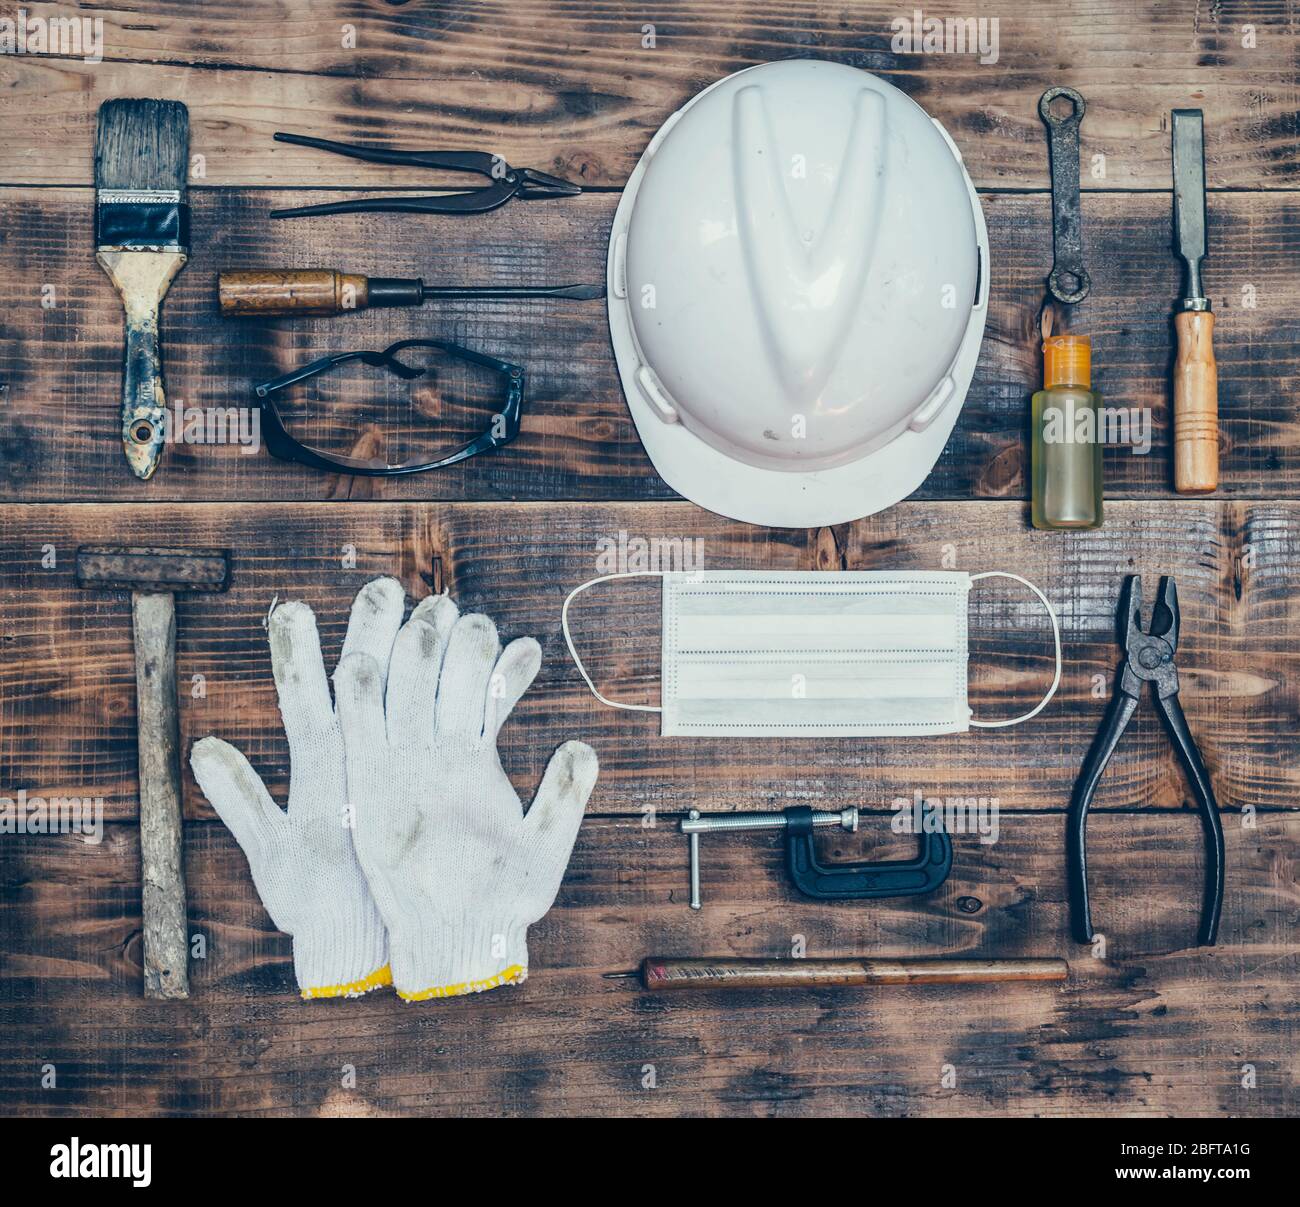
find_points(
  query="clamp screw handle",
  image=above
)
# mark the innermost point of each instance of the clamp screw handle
(695, 823)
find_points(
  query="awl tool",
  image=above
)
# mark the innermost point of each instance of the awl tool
(325, 291)
(1196, 377)
(153, 576)
(663, 974)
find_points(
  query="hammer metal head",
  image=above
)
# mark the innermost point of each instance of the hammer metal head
(145, 568)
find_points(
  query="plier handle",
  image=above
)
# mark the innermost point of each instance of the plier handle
(1149, 658)
(507, 182)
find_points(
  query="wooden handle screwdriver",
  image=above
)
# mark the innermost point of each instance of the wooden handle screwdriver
(660, 974)
(325, 291)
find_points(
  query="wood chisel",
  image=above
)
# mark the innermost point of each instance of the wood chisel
(153, 576)
(142, 235)
(325, 291)
(661, 974)
(1196, 377)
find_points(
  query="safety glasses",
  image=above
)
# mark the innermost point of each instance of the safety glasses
(315, 441)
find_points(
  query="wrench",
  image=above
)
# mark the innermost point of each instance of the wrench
(1069, 281)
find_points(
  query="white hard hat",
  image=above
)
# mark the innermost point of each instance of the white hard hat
(798, 278)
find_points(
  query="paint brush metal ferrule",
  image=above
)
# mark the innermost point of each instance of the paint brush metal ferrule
(141, 220)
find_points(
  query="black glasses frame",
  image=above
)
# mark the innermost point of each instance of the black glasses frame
(503, 428)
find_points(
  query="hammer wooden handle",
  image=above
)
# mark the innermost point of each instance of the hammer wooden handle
(660, 973)
(166, 938)
(1196, 405)
(292, 291)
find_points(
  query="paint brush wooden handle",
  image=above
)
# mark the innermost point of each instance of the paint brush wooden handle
(142, 279)
(1196, 405)
(663, 974)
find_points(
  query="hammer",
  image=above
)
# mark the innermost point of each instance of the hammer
(153, 576)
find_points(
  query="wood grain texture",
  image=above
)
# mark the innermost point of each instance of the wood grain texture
(571, 89)
(61, 365)
(67, 687)
(1156, 1028)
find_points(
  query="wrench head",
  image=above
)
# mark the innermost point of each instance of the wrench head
(1052, 118)
(1069, 285)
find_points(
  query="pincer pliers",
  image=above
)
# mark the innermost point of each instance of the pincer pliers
(507, 182)
(1148, 658)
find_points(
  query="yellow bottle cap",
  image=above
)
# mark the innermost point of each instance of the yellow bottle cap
(1067, 361)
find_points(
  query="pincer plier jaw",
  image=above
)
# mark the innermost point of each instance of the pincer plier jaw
(1148, 658)
(1149, 653)
(538, 186)
(506, 182)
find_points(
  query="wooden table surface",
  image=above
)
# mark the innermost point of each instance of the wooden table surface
(1156, 1027)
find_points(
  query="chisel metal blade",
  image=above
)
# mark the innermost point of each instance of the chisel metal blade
(1189, 197)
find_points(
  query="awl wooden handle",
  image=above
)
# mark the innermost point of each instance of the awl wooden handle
(1196, 405)
(662, 973)
(292, 291)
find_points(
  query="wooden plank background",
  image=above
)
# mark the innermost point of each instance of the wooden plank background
(68, 682)
(578, 441)
(1159, 1029)
(1155, 1028)
(571, 89)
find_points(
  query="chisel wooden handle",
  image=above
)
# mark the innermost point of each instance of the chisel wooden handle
(661, 973)
(166, 939)
(1196, 405)
(295, 291)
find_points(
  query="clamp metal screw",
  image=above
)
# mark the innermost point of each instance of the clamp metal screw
(695, 823)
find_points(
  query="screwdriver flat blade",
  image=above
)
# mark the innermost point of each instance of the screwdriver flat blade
(1189, 194)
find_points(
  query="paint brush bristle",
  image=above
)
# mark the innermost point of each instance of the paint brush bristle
(142, 152)
(142, 144)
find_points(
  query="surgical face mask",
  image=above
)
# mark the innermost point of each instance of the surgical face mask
(805, 653)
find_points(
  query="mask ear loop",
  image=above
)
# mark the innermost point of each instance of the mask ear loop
(573, 653)
(1056, 639)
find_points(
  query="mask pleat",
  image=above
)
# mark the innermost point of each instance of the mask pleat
(844, 653)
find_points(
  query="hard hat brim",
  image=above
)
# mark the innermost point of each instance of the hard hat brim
(781, 498)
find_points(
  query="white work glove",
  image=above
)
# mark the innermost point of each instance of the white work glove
(303, 861)
(457, 870)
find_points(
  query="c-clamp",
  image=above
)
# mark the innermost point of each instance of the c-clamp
(837, 881)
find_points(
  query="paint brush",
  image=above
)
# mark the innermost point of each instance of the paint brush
(142, 222)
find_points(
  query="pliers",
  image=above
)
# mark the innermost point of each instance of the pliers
(1149, 658)
(507, 182)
